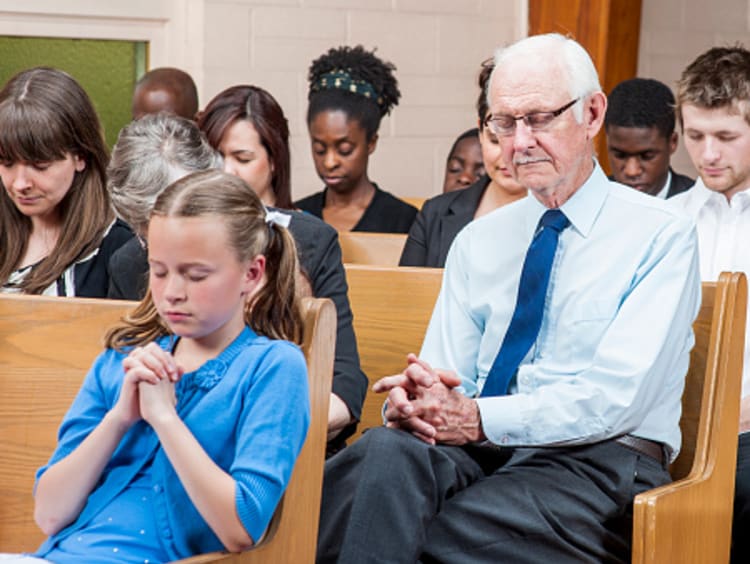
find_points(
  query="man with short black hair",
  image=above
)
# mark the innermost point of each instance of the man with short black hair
(641, 137)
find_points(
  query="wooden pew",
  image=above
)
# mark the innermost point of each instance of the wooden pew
(690, 520)
(381, 249)
(46, 347)
(686, 521)
(391, 308)
(415, 201)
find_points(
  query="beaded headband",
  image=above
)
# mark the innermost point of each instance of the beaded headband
(341, 80)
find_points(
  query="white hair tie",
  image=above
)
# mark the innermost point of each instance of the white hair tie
(278, 218)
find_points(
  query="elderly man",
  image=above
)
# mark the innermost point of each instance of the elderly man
(716, 124)
(559, 342)
(165, 89)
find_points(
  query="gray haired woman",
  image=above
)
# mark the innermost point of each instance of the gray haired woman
(149, 155)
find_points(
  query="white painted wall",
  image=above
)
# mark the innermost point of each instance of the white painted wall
(675, 32)
(436, 45)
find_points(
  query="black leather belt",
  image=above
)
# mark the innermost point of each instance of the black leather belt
(645, 446)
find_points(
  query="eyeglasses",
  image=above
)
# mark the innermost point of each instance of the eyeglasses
(504, 125)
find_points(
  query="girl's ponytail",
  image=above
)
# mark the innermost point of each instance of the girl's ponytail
(274, 311)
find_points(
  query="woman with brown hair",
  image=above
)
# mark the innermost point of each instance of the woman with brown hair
(248, 127)
(58, 228)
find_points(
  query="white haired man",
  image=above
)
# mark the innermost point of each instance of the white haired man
(560, 342)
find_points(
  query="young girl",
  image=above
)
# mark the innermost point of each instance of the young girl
(58, 228)
(350, 91)
(157, 149)
(184, 434)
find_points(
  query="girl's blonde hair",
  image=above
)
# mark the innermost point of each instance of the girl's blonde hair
(274, 310)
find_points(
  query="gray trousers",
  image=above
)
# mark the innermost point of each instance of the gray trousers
(741, 525)
(391, 498)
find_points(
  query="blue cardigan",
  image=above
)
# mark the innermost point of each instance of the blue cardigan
(248, 408)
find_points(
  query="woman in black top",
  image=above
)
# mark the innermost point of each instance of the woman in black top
(350, 91)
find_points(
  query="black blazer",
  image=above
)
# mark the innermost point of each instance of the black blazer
(320, 258)
(679, 183)
(93, 277)
(438, 223)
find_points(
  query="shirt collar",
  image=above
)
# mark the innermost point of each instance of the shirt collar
(216, 366)
(665, 189)
(582, 208)
(702, 195)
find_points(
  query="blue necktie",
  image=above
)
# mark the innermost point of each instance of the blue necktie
(532, 291)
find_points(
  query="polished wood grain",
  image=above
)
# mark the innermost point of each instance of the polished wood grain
(46, 347)
(378, 249)
(414, 201)
(690, 520)
(391, 307)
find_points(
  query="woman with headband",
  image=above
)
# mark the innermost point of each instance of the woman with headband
(350, 91)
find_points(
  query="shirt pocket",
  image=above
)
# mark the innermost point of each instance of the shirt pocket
(579, 337)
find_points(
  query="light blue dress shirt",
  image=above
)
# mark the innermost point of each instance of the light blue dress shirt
(614, 346)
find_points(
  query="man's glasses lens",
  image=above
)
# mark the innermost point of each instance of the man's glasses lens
(536, 121)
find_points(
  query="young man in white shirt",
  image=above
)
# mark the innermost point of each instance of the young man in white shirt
(713, 105)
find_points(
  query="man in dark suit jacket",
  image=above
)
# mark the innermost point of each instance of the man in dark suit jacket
(641, 137)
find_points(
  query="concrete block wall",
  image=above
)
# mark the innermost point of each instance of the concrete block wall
(436, 45)
(675, 32)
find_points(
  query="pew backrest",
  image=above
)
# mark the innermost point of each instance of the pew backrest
(46, 347)
(376, 249)
(392, 307)
(690, 520)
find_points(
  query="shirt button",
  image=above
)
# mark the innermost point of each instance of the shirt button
(157, 488)
(167, 534)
